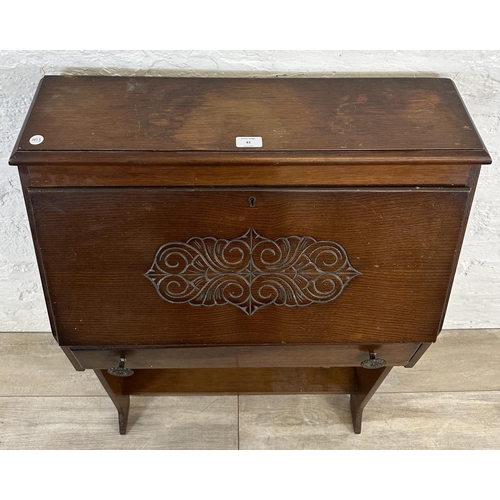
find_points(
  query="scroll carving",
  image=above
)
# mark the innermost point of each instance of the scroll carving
(251, 272)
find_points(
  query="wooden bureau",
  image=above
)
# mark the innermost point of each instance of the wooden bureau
(247, 236)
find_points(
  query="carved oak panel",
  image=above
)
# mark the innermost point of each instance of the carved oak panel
(251, 272)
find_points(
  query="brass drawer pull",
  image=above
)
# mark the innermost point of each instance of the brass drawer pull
(120, 370)
(373, 362)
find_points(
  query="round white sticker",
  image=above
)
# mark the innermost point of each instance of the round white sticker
(36, 139)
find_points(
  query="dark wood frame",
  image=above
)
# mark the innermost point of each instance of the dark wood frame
(253, 369)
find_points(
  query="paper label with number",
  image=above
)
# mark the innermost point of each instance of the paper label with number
(248, 142)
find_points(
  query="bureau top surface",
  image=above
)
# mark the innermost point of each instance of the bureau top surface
(92, 115)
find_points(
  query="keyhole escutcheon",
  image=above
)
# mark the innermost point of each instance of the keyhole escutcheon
(252, 201)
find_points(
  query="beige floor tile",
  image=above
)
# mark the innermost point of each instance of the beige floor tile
(32, 364)
(391, 421)
(450, 400)
(208, 422)
(460, 360)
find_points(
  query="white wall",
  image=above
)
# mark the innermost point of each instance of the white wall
(475, 301)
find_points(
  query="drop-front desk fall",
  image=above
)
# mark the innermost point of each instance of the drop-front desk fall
(247, 236)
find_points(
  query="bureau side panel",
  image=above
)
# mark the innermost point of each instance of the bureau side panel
(235, 267)
(25, 182)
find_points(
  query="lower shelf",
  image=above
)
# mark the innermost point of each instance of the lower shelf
(242, 381)
(360, 383)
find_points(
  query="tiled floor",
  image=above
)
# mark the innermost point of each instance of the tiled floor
(450, 400)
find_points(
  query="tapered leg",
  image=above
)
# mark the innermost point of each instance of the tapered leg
(114, 388)
(368, 382)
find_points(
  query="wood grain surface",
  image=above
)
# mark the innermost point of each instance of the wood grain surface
(96, 246)
(95, 113)
(242, 381)
(248, 175)
(325, 355)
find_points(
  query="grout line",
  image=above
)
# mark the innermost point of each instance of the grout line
(261, 395)
(238, 420)
(55, 396)
(452, 391)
